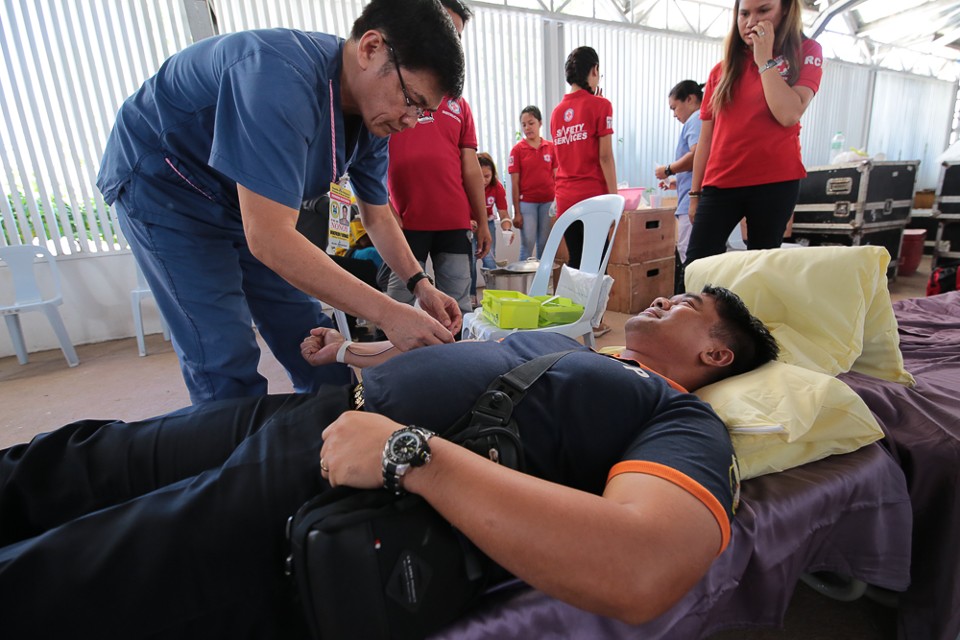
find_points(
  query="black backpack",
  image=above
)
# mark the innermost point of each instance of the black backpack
(370, 564)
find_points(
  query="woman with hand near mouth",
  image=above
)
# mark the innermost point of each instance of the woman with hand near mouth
(748, 162)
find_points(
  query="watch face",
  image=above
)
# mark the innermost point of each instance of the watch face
(405, 446)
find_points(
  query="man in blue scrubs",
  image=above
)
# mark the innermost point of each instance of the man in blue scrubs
(210, 159)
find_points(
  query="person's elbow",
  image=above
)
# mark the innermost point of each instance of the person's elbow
(788, 119)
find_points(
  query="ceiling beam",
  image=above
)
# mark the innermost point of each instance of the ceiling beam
(830, 13)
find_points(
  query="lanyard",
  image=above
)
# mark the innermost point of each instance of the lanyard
(333, 134)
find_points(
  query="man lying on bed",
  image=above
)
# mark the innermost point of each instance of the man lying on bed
(174, 526)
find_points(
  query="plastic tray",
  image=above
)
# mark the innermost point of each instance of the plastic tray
(510, 309)
(557, 310)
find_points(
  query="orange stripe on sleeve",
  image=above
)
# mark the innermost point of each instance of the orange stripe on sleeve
(684, 482)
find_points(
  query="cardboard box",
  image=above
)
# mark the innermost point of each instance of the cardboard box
(644, 235)
(635, 286)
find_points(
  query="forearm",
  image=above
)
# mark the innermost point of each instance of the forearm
(607, 163)
(473, 186)
(369, 354)
(584, 549)
(301, 263)
(784, 103)
(515, 192)
(684, 163)
(381, 224)
(702, 155)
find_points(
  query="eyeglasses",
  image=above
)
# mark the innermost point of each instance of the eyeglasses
(423, 115)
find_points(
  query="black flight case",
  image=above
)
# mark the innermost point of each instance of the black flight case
(946, 212)
(857, 203)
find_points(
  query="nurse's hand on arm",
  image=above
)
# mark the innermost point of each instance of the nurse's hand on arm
(270, 229)
(637, 549)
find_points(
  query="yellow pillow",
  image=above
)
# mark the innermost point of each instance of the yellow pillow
(828, 307)
(781, 416)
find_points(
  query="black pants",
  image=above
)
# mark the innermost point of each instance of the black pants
(171, 527)
(767, 208)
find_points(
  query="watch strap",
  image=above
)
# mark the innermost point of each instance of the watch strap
(771, 63)
(415, 278)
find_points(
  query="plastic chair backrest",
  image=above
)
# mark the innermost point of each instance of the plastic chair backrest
(599, 215)
(26, 288)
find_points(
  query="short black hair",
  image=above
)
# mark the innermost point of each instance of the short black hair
(534, 111)
(579, 64)
(458, 8)
(685, 89)
(751, 342)
(423, 36)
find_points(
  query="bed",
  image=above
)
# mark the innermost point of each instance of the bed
(887, 514)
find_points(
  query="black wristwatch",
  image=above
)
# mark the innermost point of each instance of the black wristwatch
(415, 278)
(405, 448)
(668, 171)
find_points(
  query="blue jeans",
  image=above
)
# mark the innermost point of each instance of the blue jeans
(536, 228)
(208, 287)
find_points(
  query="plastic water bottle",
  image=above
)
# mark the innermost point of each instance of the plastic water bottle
(836, 145)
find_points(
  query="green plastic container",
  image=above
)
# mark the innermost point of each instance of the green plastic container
(510, 309)
(556, 310)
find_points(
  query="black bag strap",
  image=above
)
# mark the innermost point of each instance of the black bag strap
(489, 428)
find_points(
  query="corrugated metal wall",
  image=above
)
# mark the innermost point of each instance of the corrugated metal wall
(64, 70)
(67, 66)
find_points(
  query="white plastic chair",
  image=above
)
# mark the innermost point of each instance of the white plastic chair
(136, 296)
(599, 215)
(28, 296)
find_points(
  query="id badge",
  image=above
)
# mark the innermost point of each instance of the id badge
(338, 237)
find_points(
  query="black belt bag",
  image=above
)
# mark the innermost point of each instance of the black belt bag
(370, 564)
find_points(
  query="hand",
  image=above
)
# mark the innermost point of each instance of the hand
(761, 38)
(473, 226)
(353, 447)
(483, 240)
(693, 208)
(518, 219)
(661, 173)
(408, 328)
(320, 347)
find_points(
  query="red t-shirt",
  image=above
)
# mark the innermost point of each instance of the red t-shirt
(495, 194)
(424, 178)
(749, 146)
(533, 167)
(577, 124)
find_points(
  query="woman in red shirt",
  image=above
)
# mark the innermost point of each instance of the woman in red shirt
(748, 161)
(533, 165)
(582, 127)
(495, 197)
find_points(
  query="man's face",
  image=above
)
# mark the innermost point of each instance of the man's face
(677, 327)
(390, 103)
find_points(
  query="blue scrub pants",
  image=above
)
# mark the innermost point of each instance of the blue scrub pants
(208, 286)
(172, 527)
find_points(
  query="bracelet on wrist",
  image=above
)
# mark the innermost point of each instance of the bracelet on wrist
(342, 351)
(694, 194)
(668, 171)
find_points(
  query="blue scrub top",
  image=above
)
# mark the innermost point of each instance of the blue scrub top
(252, 108)
(689, 135)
